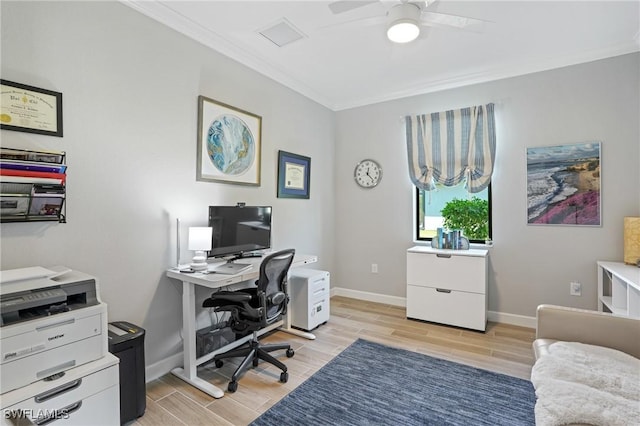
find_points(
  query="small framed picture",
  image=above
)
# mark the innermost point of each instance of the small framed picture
(294, 175)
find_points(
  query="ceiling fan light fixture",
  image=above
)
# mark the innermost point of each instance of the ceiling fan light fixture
(403, 23)
(403, 32)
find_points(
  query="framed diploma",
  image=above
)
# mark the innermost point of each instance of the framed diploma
(30, 109)
(294, 172)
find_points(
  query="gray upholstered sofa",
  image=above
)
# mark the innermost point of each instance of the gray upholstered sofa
(587, 368)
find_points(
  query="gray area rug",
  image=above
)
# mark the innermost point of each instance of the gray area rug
(373, 384)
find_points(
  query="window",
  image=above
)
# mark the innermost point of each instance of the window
(473, 210)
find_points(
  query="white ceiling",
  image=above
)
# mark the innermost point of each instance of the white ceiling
(343, 63)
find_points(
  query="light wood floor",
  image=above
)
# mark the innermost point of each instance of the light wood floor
(502, 348)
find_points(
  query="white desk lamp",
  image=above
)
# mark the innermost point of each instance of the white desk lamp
(199, 241)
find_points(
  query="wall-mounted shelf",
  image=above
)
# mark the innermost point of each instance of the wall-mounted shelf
(32, 186)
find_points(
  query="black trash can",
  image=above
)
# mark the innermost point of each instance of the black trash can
(126, 341)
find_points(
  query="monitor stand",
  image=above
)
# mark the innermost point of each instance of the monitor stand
(232, 268)
(245, 255)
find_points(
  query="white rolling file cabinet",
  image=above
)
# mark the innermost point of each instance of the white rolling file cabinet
(448, 286)
(309, 293)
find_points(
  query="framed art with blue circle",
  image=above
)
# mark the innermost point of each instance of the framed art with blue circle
(294, 175)
(229, 144)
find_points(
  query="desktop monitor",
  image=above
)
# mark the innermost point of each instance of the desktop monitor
(239, 229)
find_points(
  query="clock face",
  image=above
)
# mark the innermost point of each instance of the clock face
(368, 173)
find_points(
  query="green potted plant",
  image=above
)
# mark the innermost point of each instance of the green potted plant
(468, 215)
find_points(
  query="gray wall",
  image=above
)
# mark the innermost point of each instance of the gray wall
(597, 101)
(130, 108)
(130, 89)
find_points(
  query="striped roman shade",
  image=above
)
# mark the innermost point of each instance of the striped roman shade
(448, 146)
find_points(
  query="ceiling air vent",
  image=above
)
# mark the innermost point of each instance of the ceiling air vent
(282, 33)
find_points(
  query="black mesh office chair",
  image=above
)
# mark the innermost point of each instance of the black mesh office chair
(253, 309)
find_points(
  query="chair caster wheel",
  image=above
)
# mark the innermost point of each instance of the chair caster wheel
(284, 377)
(233, 386)
(255, 362)
(290, 353)
(219, 363)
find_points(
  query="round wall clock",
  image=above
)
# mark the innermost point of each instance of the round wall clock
(367, 173)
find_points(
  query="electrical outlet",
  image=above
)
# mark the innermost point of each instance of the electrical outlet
(374, 268)
(575, 289)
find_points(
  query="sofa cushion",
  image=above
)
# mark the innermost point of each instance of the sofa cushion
(579, 383)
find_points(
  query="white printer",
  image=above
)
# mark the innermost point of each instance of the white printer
(51, 320)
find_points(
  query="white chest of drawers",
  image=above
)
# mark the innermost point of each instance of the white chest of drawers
(448, 286)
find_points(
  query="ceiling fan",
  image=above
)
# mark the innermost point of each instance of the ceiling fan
(405, 18)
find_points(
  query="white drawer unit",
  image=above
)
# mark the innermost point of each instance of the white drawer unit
(448, 286)
(309, 290)
(85, 395)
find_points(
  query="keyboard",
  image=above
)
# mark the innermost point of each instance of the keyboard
(231, 268)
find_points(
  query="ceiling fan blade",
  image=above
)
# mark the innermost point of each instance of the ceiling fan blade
(443, 20)
(342, 6)
(360, 22)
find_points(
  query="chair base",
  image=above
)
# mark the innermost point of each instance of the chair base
(252, 354)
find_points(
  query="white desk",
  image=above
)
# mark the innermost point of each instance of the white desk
(212, 280)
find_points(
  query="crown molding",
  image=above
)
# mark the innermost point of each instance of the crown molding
(169, 17)
(514, 70)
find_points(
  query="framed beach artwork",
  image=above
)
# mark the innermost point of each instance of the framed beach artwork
(563, 185)
(229, 144)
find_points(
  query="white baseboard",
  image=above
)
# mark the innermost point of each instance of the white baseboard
(369, 297)
(163, 366)
(513, 319)
(519, 320)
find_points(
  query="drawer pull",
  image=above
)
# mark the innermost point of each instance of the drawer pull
(443, 290)
(53, 370)
(444, 256)
(44, 396)
(62, 413)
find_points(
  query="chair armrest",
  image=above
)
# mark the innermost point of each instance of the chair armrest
(232, 296)
(590, 327)
(220, 299)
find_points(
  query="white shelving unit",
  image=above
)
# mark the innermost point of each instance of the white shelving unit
(619, 289)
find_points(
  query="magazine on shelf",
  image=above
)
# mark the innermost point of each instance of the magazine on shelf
(29, 173)
(34, 166)
(10, 188)
(34, 156)
(47, 190)
(46, 206)
(11, 205)
(28, 179)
